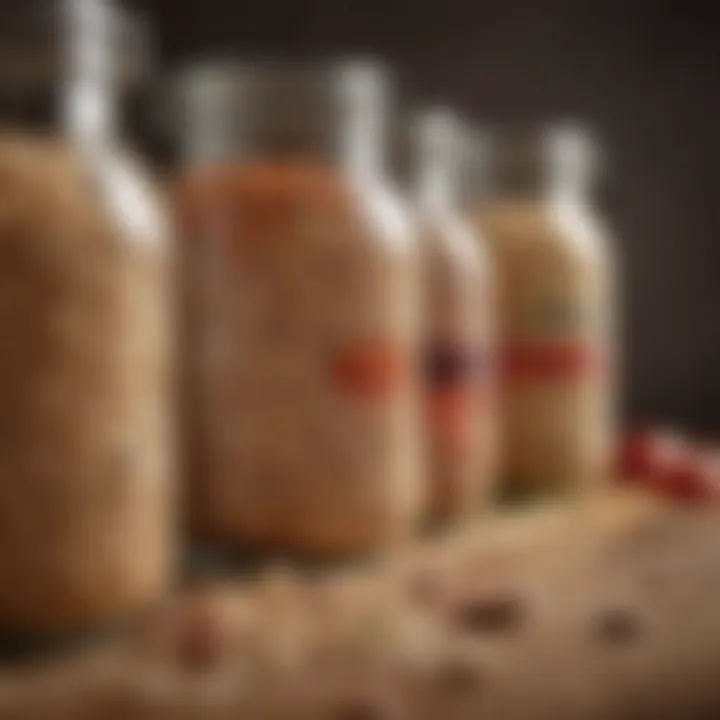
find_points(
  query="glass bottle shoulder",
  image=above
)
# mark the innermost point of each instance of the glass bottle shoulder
(386, 218)
(565, 228)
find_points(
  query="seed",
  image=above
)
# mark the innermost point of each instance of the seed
(618, 625)
(496, 614)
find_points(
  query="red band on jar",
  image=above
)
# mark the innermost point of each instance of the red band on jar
(456, 378)
(546, 362)
(450, 366)
(369, 370)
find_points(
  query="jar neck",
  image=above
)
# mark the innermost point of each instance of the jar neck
(460, 172)
(333, 116)
(551, 166)
(94, 37)
(436, 193)
(429, 158)
(70, 68)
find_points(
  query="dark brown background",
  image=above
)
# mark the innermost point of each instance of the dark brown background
(643, 75)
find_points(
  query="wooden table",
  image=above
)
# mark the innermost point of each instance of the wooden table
(617, 616)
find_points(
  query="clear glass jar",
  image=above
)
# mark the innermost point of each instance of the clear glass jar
(300, 312)
(459, 321)
(85, 503)
(555, 277)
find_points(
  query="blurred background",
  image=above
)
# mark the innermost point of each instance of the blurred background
(643, 75)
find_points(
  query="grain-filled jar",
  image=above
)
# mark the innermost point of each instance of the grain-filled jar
(300, 312)
(460, 407)
(85, 502)
(555, 279)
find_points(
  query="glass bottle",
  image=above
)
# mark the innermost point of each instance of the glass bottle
(85, 501)
(299, 311)
(555, 280)
(459, 327)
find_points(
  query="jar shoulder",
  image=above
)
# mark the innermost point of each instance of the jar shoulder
(386, 219)
(133, 198)
(568, 231)
(449, 238)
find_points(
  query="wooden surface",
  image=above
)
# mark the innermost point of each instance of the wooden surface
(616, 615)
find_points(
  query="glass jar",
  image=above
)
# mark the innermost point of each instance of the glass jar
(555, 277)
(85, 505)
(300, 312)
(459, 327)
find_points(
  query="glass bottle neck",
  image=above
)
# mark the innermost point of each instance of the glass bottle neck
(333, 116)
(436, 146)
(436, 192)
(551, 166)
(70, 67)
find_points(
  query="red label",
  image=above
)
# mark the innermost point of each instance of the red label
(369, 370)
(522, 363)
(453, 366)
(456, 379)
